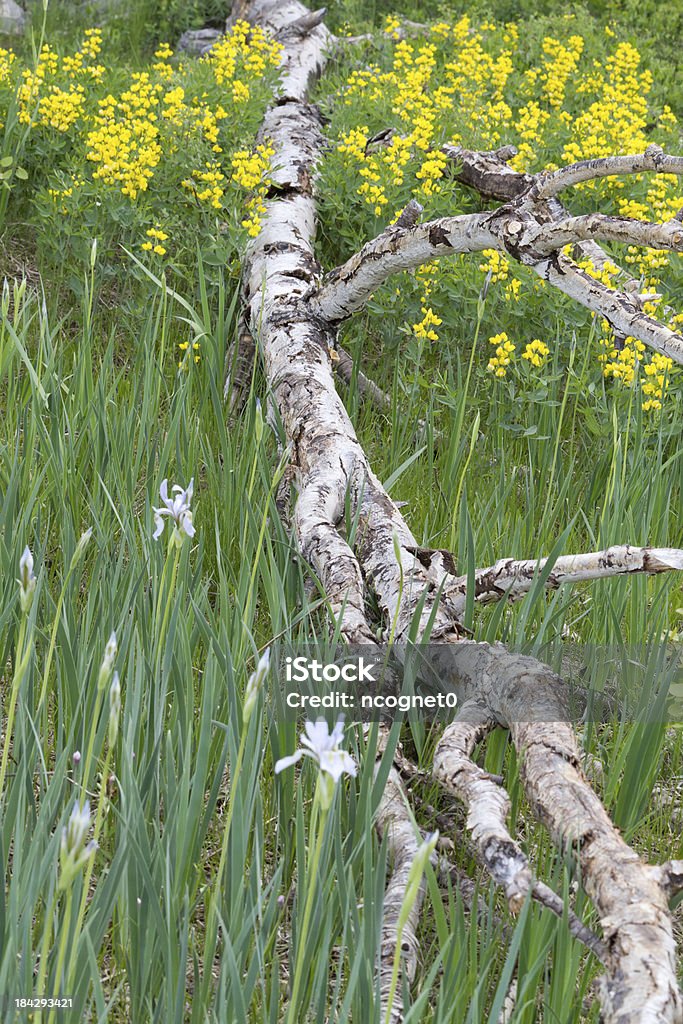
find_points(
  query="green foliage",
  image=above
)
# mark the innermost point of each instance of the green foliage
(168, 19)
(158, 160)
(581, 92)
(203, 895)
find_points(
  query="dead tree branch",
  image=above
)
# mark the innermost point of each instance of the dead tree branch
(653, 159)
(525, 696)
(343, 364)
(521, 230)
(394, 821)
(488, 806)
(513, 578)
(348, 288)
(490, 175)
(295, 321)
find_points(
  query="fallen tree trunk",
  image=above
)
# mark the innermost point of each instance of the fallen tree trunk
(293, 313)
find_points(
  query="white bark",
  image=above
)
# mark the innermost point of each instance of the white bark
(490, 175)
(488, 806)
(640, 985)
(621, 310)
(626, 230)
(395, 823)
(653, 159)
(488, 803)
(533, 229)
(512, 578)
(347, 289)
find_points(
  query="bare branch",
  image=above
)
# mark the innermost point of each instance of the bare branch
(347, 288)
(596, 226)
(343, 365)
(304, 25)
(511, 578)
(487, 803)
(653, 159)
(490, 175)
(518, 691)
(623, 311)
(488, 806)
(488, 172)
(640, 982)
(394, 821)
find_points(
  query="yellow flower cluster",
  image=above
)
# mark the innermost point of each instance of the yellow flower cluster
(529, 127)
(249, 171)
(425, 328)
(248, 168)
(621, 361)
(505, 350)
(163, 55)
(166, 117)
(497, 264)
(155, 237)
(246, 48)
(392, 25)
(184, 347)
(462, 81)
(125, 144)
(605, 274)
(7, 59)
(207, 185)
(558, 70)
(354, 143)
(32, 81)
(536, 352)
(61, 107)
(616, 121)
(431, 169)
(92, 44)
(655, 385)
(52, 94)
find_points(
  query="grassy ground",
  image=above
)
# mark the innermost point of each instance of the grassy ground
(194, 906)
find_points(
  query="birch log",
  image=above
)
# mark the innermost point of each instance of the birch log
(294, 321)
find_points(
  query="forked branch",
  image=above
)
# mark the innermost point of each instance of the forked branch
(531, 231)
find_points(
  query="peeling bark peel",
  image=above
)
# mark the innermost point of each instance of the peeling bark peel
(395, 823)
(519, 229)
